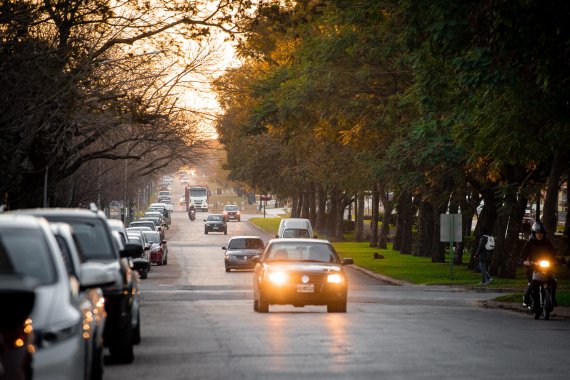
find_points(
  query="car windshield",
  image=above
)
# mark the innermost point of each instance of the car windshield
(296, 233)
(313, 252)
(231, 208)
(215, 218)
(25, 252)
(245, 244)
(94, 240)
(142, 224)
(156, 221)
(153, 237)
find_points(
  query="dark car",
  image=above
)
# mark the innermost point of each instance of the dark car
(122, 300)
(300, 272)
(231, 212)
(241, 250)
(215, 223)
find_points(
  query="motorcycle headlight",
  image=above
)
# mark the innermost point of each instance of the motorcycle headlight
(277, 278)
(544, 263)
(335, 278)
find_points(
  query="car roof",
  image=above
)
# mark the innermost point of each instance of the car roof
(245, 237)
(299, 240)
(20, 221)
(61, 212)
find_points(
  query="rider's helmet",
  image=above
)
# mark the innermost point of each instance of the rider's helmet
(537, 227)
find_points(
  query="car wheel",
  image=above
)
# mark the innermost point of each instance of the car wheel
(159, 263)
(337, 307)
(206, 232)
(166, 259)
(97, 362)
(262, 306)
(228, 269)
(144, 274)
(122, 348)
(137, 331)
(226, 231)
(239, 220)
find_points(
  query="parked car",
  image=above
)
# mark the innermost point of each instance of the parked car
(90, 301)
(158, 251)
(144, 223)
(62, 350)
(140, 264)
(295, 228)
(182, 200)
(16, 329)
(215, 223)
(119, 226)
(300, 272)
(231, 212)
(122, 299)
(241, 250)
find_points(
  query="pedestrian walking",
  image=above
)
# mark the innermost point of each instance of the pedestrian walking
(485, 254)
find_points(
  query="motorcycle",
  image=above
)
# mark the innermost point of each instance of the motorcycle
(192, 215)
(541, 296)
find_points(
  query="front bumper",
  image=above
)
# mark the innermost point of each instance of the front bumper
(289, 294)
(156, 257)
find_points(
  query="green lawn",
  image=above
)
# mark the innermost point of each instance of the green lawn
(420, 270)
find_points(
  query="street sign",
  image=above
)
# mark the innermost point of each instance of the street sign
(451, 229)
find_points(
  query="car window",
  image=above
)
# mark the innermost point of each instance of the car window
(66, 254)
(28, 254)
(142, 224)
(246, 244)
(94, 240)
(315, 252)
(296, 233)
(231, 208)
(152, 237)
(215, 218)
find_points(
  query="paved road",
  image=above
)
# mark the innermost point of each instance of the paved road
(198, 323)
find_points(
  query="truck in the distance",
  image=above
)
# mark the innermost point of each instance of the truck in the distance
(197, 195)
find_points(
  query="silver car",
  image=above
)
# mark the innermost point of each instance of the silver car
(90, 301)
(59, 325)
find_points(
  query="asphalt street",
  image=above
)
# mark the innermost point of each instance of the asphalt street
(198, 323)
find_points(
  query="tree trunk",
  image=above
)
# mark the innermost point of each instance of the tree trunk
(438, 248)
(321, 223)
(374, 220)
(294, 206)
(425, 230)
(405, 213)
(487, 221)
(507, 245)
(333, 216)
(360, 216)
(551, 200)
(312, 205)
(305, 213)
(387, 219)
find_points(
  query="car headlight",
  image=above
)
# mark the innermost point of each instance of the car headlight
(231, 257)
(544, 264)
(277, 278)
(335, 278)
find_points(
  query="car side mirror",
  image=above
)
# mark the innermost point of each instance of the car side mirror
(225, 248)
(93, 275)
(163, 242)
(132, 250)
(347, 261)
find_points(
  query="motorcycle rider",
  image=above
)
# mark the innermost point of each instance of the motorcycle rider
(191, 210)
(538, 247)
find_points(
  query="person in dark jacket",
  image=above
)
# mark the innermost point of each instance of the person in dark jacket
(538, 247)
(484, 256)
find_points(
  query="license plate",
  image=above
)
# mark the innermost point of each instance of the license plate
(305, 288)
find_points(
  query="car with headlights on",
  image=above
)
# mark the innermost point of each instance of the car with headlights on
(300, 272)
(231, 212)
(240, 252)
(215, 223)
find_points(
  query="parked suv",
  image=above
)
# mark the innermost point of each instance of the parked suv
(122, 302)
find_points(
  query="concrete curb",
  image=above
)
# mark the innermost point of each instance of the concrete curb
(558, 312)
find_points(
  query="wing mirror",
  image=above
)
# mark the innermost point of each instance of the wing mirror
(132, 250)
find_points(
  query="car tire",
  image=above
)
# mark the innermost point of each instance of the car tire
(159, 263)
(97, 362)
(227, 269)
(122, 348)
(206, 232)
(226, 231)
(166, 259)
(337, 307)
(262, 306)
(137, 330)
(144, 274)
